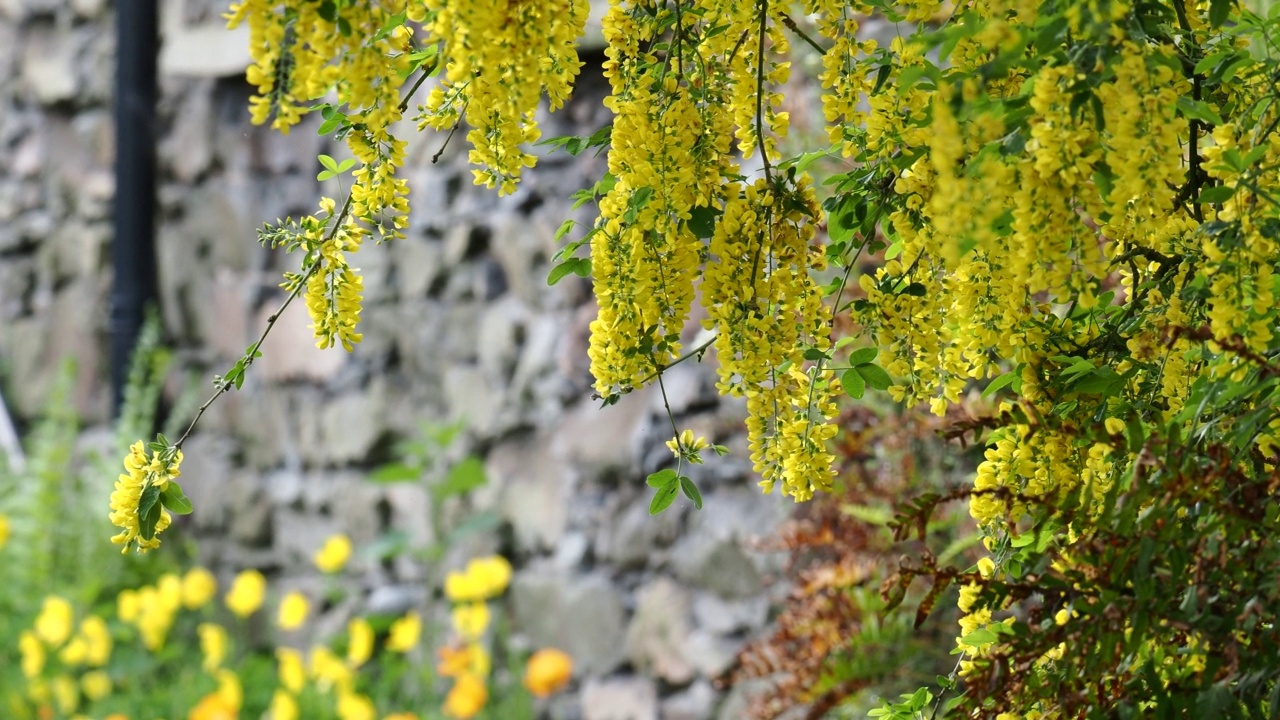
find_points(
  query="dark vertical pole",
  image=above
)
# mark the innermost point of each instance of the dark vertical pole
(133, 252)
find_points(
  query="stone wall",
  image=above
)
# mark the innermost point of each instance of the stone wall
(459, 324)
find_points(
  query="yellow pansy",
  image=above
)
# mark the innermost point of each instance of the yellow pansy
(471, 619)
(404, 633)
(333, 556)
(354, 706)
(283, 706)
(466, 698)
(128, 606)
(213, 644)
(548, 670)
(198, 588)
(483, 578)
(245, 595)
(293, 611)
(96, 684)
(292, 675)
(53, 625)
(32, 654)
(360, 642)
(4, 530)
(97, 639)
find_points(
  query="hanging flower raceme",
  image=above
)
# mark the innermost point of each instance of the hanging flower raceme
(146, 493)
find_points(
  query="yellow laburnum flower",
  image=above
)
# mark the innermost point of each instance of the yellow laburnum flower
(293, 611)
(142, 472)
(466, 698)
(283, 706)
(404, 633)
(334, 555)
(291, 672)
(96, 685)
(483, 579)
(198, 588)
(97, 639)
(360, 644)
(548, 670)
(213, 644)
(245, 595)
(471, 619)
(53, 625)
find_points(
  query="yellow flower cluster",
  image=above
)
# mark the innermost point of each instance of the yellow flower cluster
(502, 56)
(78, 656)
(468, 663)
(766, 309)
(145, 479)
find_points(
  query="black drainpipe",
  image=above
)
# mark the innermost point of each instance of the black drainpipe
(133, 249)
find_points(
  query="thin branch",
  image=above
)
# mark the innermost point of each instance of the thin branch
(251, 353)
(791, 25)
(426, 73)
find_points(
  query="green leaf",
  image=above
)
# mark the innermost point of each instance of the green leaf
(663, 498)
(861, 356)
(396, 473)
(148, 512)
(1219, 10)
(853, 383)
(575, 266)
(329, 163)
(661, 478)
(691, 491)
(979, 637)
(565, 228)
(462, 478)
(814, 354)
(702, 221)
(1216, 194)
(1000, 382)
(875, 376)
(175, 500)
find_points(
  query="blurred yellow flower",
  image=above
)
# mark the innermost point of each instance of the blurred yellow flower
(198, 588)
(97, 638)
(328, 669)
(466, 698)
(283, 706)
(404, 633)
(96, 684)
(66, 692)
(471, 619)
(128, 605)
(213, 707)
(74, 652)
(245, 595)
(483, 579)
(293, 611)
(547, 671)
(53, 625)
(4, 530)
(32, 653)
(169, 592)
(334, 555)
(229, 689)
(354, 706)
(360, 641)
(401, 716)
(470, 659)
(292, 674)
(213, 644)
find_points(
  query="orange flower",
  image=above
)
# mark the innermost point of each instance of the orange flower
(470, 659)
(466, 698)
(548, 671)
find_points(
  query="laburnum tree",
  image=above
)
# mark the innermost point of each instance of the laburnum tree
(1054, 222)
